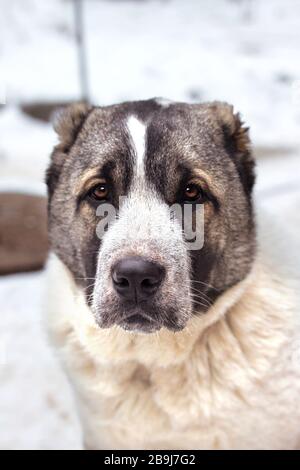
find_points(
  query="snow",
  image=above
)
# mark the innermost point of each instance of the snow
(25, 145)
(36, 410)
(244, 52)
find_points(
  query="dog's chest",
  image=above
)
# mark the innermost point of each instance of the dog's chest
(181, 407)
(235, 386)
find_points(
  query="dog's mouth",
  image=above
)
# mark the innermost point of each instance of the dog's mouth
(143, 316)
(140, 322)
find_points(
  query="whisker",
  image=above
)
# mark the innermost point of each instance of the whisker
(200, 304)
(88, 287)
(205, 284)
(197, 302)
(86, 278)
(200, 293)
(203, 299)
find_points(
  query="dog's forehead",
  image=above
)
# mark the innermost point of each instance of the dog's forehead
(157, 141)
(165, 123)
(150, 139)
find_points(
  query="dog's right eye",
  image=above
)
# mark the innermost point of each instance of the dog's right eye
(99, 192)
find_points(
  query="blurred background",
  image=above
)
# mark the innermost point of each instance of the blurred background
(245, 52)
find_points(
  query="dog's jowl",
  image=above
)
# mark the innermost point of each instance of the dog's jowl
(176, 326)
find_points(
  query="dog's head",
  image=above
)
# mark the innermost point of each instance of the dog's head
(150, 208)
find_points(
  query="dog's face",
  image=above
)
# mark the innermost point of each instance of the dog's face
(139, 271)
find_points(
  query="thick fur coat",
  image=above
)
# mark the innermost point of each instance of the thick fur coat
(229, 380)
(219, 373)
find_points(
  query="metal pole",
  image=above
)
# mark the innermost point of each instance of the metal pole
(81, 49)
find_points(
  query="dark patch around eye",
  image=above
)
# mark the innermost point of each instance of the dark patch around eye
(104, 173)
(187, 178)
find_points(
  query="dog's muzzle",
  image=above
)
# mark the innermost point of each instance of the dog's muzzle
(142, 278)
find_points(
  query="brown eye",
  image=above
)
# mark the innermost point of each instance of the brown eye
(99, 192)
(193, 193)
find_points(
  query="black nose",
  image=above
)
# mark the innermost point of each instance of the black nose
(135, 278)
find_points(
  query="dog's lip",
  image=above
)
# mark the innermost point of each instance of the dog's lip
(138, 314)
(139, 322)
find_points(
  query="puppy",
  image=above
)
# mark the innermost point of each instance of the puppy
(169, 341)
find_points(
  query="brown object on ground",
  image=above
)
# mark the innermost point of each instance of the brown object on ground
(23, 232)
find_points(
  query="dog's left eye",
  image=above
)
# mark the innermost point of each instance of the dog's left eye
(99, 192)
(193, 193)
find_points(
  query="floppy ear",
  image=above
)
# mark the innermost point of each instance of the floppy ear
(237, 142)
(67, 124)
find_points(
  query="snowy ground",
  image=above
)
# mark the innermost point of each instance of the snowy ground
(245, 52)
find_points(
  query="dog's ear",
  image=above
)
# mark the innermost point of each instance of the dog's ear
(237, 142)
(67, 123)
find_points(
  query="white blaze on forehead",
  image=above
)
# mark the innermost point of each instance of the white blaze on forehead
(137, 132)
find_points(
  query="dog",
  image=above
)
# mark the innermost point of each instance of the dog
(168, 346)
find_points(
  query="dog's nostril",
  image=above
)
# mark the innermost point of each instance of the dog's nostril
(135, 278)
(122, 282)
(149, 283)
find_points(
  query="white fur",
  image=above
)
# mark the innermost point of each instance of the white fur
(137, 131)
(229, 380)
(164, 102)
